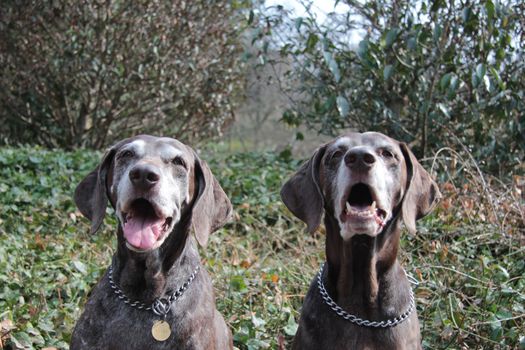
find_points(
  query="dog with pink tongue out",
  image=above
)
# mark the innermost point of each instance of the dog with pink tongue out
(143, 226)
(155, 294)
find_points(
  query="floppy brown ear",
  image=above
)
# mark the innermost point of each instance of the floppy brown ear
(422, 193)
(212, 208)
(302, 192)
(91, 193)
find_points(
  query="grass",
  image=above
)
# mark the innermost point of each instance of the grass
(469, 255)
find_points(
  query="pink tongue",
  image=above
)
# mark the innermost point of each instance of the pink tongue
(143, 232)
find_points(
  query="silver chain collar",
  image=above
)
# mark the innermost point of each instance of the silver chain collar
(359, 321)
(160, 306)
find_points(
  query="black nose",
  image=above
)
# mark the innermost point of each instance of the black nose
(359, 159)
(144, 176)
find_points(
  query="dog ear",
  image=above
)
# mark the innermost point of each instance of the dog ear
(422, 193)
(302, 192)
(212, 208)
(91, 193)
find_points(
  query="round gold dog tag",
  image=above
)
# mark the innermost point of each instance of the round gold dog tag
(161, 330)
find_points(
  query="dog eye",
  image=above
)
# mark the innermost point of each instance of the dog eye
(337, 154)
(126, 154)
(386, 153)
(179, 161)
(334, 156)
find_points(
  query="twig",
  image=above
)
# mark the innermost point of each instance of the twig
(459, 273)
(500, 320)
(480, 173)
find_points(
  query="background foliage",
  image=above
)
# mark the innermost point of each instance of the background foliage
(468, 255)
(88, 73)
(433, 73)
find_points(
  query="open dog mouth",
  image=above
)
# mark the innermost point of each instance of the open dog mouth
(144, 225)
(361, 206)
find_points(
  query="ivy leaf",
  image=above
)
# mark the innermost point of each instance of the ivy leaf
(80, 267)
(257, 321)
(291, 326)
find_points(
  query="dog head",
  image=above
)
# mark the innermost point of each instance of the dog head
(363, 181)
(151, 182)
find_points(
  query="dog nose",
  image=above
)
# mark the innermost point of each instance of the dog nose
(359, 159)
(144, 176)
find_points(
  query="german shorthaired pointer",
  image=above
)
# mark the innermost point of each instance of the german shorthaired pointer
(155, 295)
(365, 184)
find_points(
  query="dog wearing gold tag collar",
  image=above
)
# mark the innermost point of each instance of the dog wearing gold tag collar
(155, 294)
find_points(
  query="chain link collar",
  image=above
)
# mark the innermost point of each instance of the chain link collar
(359, 321)
(160, 306)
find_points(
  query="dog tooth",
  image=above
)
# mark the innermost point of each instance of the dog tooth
(348, 208)
(373, 207)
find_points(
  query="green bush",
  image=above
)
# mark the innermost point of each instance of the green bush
(84, 74)
(432, 73)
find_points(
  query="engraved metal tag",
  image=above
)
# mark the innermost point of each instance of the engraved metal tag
(161, 330)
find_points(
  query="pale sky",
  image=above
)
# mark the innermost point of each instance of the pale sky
(321, 8)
